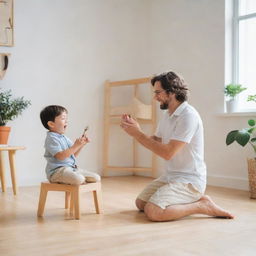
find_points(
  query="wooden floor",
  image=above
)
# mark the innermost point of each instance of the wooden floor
(122, 230)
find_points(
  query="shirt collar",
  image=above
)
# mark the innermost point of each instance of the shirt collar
(56, 134)
(179, 109)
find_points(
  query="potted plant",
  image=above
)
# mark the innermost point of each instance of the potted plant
(252, 98)
(243, 137)
(10, 108)
(232, 91)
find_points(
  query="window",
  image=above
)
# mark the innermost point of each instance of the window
(244, 50)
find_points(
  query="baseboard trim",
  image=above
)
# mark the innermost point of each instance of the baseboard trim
(228, 182)
(213, 180)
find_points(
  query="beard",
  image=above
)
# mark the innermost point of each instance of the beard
(164, 105)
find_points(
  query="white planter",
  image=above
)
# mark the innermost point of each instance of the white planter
(232, 105)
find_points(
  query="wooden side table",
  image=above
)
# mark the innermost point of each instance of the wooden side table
(11, 153)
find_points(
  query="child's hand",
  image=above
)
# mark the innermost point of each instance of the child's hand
(84, 137)
(81, 141)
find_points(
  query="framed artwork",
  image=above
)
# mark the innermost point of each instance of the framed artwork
(6, 22)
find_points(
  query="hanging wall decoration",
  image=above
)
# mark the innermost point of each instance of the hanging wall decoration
(4, 59)
(6, 22)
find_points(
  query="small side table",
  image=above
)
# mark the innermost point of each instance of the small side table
(11, 152)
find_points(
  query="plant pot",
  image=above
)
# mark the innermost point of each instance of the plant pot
(232, 105)
(252, 177)
(4, 134)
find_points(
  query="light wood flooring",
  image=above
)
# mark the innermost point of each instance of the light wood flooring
(122, 230)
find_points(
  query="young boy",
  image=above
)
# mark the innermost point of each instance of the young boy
(60, 152)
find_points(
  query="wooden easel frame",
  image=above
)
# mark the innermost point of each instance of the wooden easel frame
(112, 119)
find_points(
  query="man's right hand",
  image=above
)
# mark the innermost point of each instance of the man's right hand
(130, 125)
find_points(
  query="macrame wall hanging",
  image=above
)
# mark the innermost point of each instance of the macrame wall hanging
(4, 60)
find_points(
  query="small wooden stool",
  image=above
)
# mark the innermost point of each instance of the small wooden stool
(72, 200)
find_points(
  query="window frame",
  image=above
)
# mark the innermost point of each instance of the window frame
(235, 48)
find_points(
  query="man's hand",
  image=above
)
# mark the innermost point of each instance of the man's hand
(130, 125)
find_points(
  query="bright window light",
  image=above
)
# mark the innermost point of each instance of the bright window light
(244, 68)
(247, 60)
(247, 7)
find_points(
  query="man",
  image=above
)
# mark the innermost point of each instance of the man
(179, 192)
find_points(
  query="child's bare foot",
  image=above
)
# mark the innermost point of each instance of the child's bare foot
(210, 208)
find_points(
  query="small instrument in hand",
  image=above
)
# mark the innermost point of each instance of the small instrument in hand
(85, 130)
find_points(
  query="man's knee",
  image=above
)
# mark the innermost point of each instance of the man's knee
(153, 212)
(140, 204)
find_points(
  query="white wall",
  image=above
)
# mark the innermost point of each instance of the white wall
(189, 37)
(65, 50)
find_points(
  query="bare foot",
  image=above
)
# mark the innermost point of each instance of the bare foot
(210, 208)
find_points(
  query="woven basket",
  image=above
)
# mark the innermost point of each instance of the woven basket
(252, 177)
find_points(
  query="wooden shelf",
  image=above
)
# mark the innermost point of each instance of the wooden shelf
(113, 119)
(117, 120)
(131, 169)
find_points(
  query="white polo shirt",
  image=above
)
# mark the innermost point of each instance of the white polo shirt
(187, 166)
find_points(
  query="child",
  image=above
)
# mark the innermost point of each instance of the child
(60, 152)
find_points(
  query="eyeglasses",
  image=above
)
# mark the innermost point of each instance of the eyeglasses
(157, 92)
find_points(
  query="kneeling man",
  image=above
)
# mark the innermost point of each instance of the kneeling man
(179, 192)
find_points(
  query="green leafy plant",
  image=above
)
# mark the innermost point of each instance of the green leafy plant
(11, 108)
(232, 90)
(252, 98)
(244, 136)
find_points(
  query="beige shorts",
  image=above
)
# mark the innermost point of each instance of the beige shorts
(68, 175)
(166, 194)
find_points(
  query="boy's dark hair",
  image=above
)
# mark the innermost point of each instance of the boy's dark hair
(49, 113)
(171, 82)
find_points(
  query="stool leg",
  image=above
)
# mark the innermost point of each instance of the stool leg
(71, 209)
(98, 200)
(42, 200)
(67, 200)
(76, 202)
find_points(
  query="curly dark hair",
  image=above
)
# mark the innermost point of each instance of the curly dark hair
(172, 83)
(49, 113)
